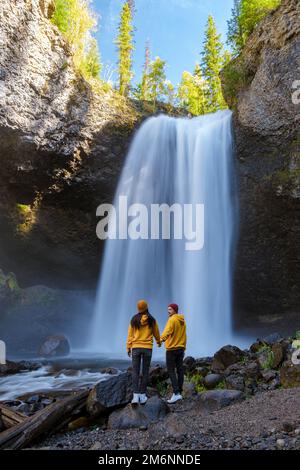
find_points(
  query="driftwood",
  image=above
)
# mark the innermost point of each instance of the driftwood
(11, 418)
(43, 422)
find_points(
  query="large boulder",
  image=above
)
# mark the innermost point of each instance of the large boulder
(279, 353)
(54, 345)
(235, 382)
(140, 415)
(109, 394)
(216, 399)
(157, 375)
(225, 357)
(290, 375)
(212, 380)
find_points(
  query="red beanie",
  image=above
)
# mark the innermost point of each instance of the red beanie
(174, 307)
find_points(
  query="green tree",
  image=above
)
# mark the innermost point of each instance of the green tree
(157, 80)
(76, 21)
(199, 103)
(91, 61)
(236, 37)
(170, 93)
(125, 46)
(131, 4)
(253, 11)
(212, 63)
(246, 14)
(192, 92)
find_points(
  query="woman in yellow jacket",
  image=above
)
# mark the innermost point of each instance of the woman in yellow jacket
(141, 330)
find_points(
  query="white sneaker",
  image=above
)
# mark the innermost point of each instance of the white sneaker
(174, 398)
(143, 398)
(136, 399)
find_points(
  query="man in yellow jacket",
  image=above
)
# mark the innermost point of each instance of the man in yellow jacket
(174, 336)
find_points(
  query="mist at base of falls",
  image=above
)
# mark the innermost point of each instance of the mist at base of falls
(182, 161)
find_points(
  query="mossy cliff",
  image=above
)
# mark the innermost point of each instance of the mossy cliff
(259, 86)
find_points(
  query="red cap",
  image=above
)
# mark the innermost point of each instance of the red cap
(174, 307)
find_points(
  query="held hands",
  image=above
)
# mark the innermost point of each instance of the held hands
(129, 352)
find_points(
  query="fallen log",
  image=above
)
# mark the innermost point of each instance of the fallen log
(10, 417)
(43, 422)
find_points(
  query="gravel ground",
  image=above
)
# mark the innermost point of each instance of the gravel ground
(270, 420)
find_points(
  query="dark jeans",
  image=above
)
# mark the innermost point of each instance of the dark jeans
(140, 355)
(174, 359)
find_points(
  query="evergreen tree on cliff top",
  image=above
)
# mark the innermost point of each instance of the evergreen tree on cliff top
(212, 63)
(77, 21)
(192, 92)
(124, 42)
(157, 81)
(246, 14)
(145, 77)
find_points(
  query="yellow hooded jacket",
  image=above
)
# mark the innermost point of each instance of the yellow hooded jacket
(143, 337)
(174, 333)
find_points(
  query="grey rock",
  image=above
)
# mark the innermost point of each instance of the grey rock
(225, 357)
(216, 399)
(109, 394)
(212, 380)
(55, 345)
(138, 416)
(235, 382)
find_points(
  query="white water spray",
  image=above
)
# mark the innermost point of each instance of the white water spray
(185, 161)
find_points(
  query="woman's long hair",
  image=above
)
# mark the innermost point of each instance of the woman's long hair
(136, 320)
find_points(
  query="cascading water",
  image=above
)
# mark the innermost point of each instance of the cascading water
(185, 161)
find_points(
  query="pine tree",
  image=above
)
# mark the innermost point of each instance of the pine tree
(131, 4)
(192, 92)
(253, 11)
(170, 93)
(236, 37)
(91, 63)
(212, 62)
(157, 80)
(76, 21)
(125, 48)
(199, 103)
(245, 15)
(145, 77)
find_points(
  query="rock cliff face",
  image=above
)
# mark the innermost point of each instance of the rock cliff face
(267, 133)
(62, 144)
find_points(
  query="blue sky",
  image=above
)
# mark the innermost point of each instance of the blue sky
(175, 29)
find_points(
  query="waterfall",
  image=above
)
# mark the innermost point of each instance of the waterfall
(185, 161)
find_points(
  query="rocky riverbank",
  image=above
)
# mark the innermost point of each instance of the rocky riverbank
(270, 420)
(237, 399)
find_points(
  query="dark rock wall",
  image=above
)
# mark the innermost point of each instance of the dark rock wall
(267, 134)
